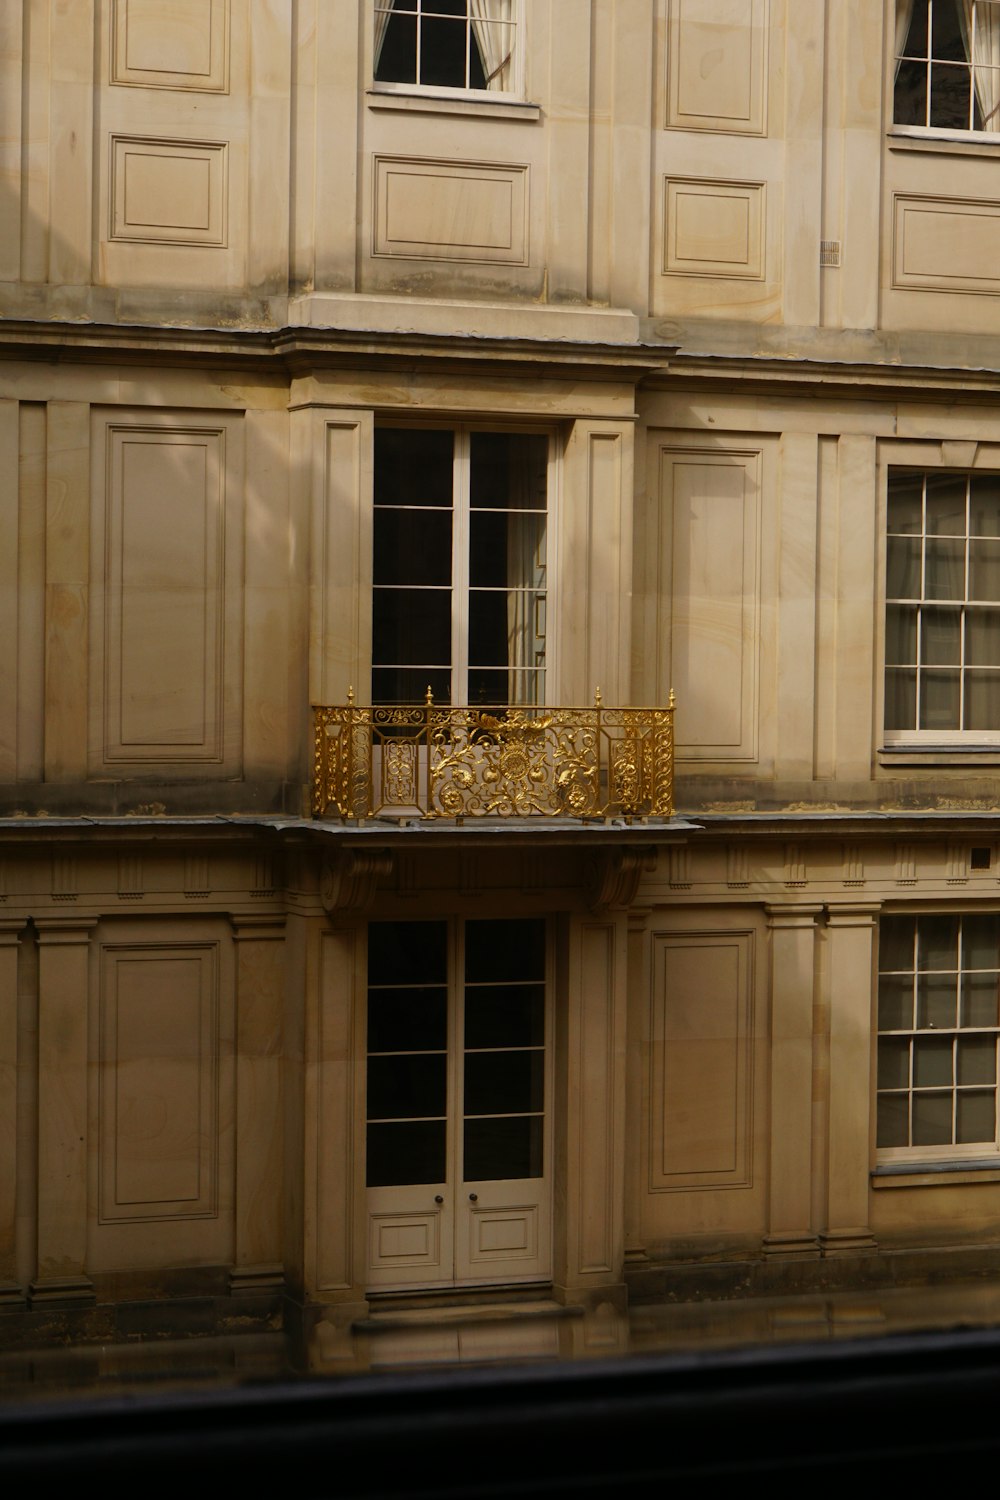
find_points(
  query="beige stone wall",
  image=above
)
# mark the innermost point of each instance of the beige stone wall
(695, 253)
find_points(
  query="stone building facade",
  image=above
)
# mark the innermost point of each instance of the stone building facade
(420, 361)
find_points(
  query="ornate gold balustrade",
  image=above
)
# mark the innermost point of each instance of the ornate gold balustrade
(434, 761)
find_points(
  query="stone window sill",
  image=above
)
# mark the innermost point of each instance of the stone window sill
(938, 755)
(433, 104)
(942, 144)
(899, 1174)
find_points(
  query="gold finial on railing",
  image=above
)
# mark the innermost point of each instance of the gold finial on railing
(350, 697)
(429, 697)
(598, 700)
(671, 701)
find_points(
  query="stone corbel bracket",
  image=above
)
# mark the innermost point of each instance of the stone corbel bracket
(613, 877)
(349, 879)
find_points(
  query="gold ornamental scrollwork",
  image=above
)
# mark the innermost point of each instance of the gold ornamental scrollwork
(437, 761)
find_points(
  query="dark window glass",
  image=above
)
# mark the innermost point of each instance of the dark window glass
(501, 951)
(410, 1153)
(408, 1020)
(505, 1015)
(498, 1149)
(407, 1086)
(402, 953)
(503, 1083)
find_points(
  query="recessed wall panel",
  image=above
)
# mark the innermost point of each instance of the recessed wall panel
(166, 645)
(159, 1070)
(450, 210)
(168, 191)
(180, 45)
(716, 65)
(713, 228)
(700, 1061)
(946, 244)
(709, 580)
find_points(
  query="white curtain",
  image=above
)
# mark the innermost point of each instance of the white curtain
(493, 29)
(982, 46)
(525, 576)
(904, 15)
(381, 23)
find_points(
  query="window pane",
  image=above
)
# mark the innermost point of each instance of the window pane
(915, 44)
(506, 688)
(946, 505)
(940, 700)
(506, 549)
(944, 569)
(893, 1120)
(409, 1153)
(982, 637)
(499, 1083)
(951, 96)
(448, 59)
(903, 568)
(984, 504)
(896, 947)
(412, 546)
(977, 1060)
(947, 41)
(937, 943)
(900, 699)
(505, 950)
(982, 700)
(910, 94)
(505, 1015)
(497, 1149)
(976, 1117)
(932, 1064)
(986, 94)
(932, 1119)
(937, 1000)
(411, 626)
(397, 62)
(895, 1002)
(411, 1086)
(409, 685)
(905, 504)
(402, 953)
(984, 570)
(893, 1065)
(508, 470)
(900, 634)
(941, 637)
(981, 942)
(980, 1000)
(407, 1020)
(413, 466)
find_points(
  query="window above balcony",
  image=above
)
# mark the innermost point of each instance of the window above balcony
(460, 596)
(946, 78)
(463, 48)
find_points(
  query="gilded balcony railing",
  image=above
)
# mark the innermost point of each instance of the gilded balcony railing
(438, 761)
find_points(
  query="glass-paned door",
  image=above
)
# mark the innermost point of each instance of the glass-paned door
(459, 599)
(457, 1143)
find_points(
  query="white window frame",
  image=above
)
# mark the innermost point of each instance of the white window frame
(915, 738)
(938, 132)
(461, 513)
(970, 1152)
(514, 94)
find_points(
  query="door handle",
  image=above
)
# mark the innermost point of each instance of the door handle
(473, 1197)
(438, 1198)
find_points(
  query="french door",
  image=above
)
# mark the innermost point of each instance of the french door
(460, 569)
(458, 1141)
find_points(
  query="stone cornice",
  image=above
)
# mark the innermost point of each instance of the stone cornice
(292, 351)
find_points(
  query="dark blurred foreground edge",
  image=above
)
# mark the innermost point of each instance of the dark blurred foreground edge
(908, 1405)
